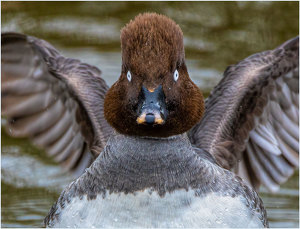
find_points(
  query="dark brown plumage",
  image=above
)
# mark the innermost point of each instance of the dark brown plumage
(152, 49)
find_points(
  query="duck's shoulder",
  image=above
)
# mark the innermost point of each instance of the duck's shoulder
(175, 174)
(90, 198)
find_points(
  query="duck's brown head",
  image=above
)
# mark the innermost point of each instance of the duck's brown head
(154, 95)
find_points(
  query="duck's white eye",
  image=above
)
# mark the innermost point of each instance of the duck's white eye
(129, 76)
(176, 75)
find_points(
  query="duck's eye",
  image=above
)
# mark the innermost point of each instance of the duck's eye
(176, 75)
(129, 76)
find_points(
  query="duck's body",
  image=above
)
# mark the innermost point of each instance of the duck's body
(151, 173)
(155, 182)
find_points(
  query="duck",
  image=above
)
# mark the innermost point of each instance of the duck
(149, 151)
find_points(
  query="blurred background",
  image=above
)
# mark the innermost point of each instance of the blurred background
(217, 34)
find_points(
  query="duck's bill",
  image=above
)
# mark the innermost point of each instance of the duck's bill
(150, 118)
(153, 107)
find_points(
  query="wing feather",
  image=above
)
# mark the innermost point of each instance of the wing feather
(55, 101)
(252, 117)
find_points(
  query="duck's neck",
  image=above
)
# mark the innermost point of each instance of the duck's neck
(135, 163)
(144, 155)
(151, 150)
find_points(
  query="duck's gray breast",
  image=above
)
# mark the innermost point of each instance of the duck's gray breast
(146, 208)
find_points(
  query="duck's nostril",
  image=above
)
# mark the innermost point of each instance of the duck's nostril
(150, 118)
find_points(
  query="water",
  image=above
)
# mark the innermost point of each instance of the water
(216, 35)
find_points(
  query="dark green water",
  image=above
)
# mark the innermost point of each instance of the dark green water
(216, 35)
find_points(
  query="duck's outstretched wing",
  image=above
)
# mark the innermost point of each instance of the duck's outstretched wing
(55, 101)
(251, 119)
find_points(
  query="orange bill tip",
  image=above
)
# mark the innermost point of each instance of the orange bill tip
(141, 119)
(159, 121)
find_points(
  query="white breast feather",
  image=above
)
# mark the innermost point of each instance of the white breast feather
(145, 209)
